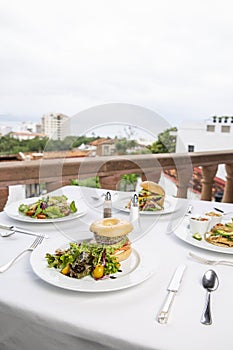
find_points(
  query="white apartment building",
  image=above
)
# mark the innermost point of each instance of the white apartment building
(4, 130)
(213, 134)
(56, 125)
(30, 127)
(25, 135)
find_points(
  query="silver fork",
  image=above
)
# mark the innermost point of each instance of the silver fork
(209, 261)
(36, 242)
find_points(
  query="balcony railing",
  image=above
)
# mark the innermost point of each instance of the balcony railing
(58, 172)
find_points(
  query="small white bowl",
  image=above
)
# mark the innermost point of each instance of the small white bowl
(199, 224)
(216, 218)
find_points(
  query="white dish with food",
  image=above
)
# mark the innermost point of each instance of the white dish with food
(183, 233)
(135, 270)
(169, 206)
(12, 210)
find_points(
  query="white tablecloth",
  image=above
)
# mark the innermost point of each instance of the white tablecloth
(37, 315)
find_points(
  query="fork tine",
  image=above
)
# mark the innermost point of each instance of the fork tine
(211, 262)
(201, 259)
(40, 240)
(37, 241)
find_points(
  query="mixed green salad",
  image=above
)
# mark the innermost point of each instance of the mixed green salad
(83, 259)
(48, 208)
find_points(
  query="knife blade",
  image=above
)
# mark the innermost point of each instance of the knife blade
(172, 289)
(21, 230)
(189, 210)
(223, 213)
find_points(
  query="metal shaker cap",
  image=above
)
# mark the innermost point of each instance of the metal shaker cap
(108, 196)
(134, 200)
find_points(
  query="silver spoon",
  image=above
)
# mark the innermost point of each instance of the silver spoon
(210, 283)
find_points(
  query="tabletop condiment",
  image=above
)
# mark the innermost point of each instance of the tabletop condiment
(107, 207)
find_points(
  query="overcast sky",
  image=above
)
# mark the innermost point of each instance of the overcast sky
(172, 57)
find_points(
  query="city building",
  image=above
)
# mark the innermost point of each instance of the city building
(25, 135)
(213, 134)
(104, 147)
(56, 125)
(30, 127)
(4, 130)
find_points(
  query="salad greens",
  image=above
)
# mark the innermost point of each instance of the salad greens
(83, 259)
(48, 208)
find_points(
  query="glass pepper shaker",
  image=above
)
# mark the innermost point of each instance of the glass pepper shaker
(107, 207)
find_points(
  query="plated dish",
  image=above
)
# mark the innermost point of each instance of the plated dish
(121, 204)
(183, 233)
(135, 270)
(12, 210)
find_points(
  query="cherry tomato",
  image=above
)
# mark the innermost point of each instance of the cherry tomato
(98, 271)
(41, 216)
(30, 212)
(66, 270)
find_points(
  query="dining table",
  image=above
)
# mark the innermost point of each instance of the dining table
(41, 311)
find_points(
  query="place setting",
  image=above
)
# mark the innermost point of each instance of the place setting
(106, 261)
(208, 230)
(39, 211)
(209, 281)
(152, 200)
(45, 209)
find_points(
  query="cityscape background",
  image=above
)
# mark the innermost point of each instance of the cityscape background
(110, 66)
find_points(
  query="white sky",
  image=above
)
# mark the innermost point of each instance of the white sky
(172, 57)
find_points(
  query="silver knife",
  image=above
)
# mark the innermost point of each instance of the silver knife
(172, 290)
(21, 230)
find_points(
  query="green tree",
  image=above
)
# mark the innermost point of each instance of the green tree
(166, 142)
(122, 145)
(83, 139)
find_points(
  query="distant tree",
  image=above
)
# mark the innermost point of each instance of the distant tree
(34, 145)
(56, 145)
(10, 145)
(83, 139)
(122, 145)
(166, 142)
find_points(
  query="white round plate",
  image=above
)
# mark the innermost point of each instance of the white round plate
(134, 271)
(121, 204)
(12, 211)
(183, 233)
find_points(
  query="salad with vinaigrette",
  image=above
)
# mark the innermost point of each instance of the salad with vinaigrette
(85, 259)
(48, 208)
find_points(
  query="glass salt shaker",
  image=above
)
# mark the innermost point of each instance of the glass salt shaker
(107, 207)
(134, 214)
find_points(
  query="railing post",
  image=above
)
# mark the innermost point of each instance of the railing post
(4, 193)
(208, 174)
(110, 182)
(152, 176)
(183, 176)
(228, 191)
